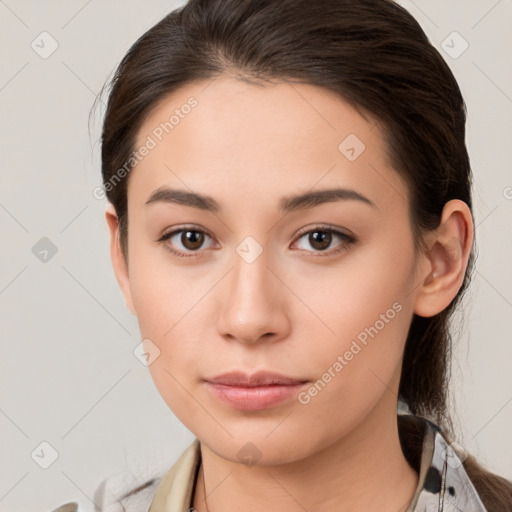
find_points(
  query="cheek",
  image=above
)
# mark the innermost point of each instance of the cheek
(371, 286)
(357, 369)
(167, 319)
(368, 311)
(167, 305)
(161, 294)
(167, 316)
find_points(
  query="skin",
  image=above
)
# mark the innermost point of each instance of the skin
(292, 310)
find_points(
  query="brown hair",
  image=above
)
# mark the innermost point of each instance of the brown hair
(372, 53)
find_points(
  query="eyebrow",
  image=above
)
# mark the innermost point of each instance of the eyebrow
(287, 204)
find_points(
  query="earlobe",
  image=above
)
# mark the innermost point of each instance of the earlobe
(118, 261)
(446, 260)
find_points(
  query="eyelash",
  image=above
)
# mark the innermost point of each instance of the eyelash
(347, 239)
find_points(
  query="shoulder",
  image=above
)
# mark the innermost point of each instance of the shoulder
(132, 490)
(119, 493)
(127, 492)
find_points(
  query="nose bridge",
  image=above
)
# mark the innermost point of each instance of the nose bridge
(250, 279)
(253, 305)
(250, 276)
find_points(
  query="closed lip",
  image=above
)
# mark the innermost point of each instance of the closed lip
(260, 378)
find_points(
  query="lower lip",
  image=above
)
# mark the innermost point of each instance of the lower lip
(255, 398)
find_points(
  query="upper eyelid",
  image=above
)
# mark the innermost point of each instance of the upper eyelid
(174, 231)
(301, 232)
(321, 227)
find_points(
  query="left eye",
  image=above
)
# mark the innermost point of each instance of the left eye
(321, 238)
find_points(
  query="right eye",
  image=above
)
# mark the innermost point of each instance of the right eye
(190, 239)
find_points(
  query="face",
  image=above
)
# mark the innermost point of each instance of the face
(263, 272)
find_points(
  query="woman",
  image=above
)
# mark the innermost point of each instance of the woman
(290, 220)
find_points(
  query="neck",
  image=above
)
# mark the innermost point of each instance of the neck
(363, 470)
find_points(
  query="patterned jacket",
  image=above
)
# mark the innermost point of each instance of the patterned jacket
(443, 484)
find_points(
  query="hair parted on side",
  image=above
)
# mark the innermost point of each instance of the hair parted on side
(375, 56)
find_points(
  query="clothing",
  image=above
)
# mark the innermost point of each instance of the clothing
(443, 485)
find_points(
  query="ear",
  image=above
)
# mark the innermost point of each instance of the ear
(118, 261)
(444, 263)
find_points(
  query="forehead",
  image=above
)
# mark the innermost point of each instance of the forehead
(226, 134)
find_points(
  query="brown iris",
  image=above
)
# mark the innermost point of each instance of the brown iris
(320, 240)
(192, 239)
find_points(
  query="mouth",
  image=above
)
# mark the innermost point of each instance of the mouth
(258, 391)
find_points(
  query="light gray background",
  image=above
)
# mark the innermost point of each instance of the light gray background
(68, 374)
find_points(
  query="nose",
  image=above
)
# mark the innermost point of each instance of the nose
(254, 304)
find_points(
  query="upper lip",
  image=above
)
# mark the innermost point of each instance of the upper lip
(261, 378)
